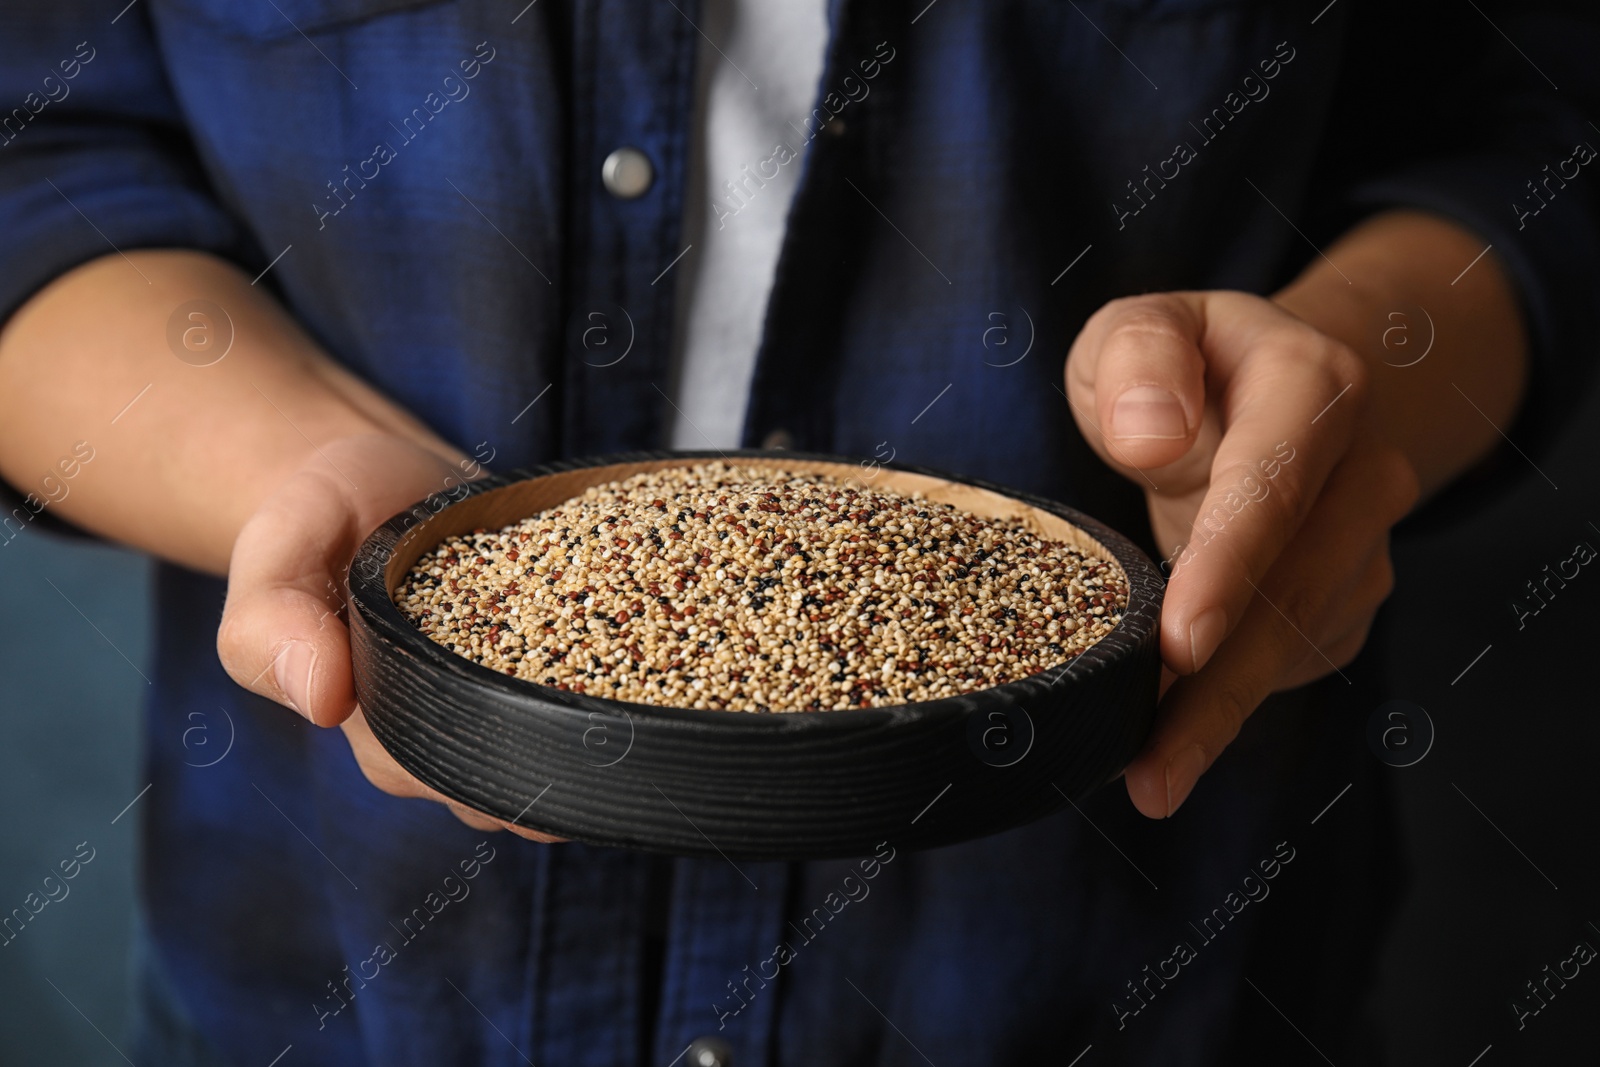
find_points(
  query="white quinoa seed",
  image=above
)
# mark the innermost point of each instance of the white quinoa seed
(761, 589)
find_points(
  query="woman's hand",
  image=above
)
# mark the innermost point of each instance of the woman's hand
(268, 462)
(1251, 432)
(1277, 446)
(283, 633)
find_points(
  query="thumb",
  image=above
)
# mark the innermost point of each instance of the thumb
(1137, 379)
(282, 634)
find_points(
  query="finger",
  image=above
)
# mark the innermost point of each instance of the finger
(1299, 604)
(379, 767)
(1330, 655)
(1136, 380)
(282, 634)
(474, 819)
(1289, 405)
(387, 775)
(382, 770)
(534, 835)
(1360, 600)
(1167, 679)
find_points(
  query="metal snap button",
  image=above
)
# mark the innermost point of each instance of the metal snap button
(627, 173)
(709, 1052)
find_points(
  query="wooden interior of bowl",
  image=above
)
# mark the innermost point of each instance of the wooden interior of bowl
(513, 503)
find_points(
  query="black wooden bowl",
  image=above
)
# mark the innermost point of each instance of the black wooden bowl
(793, 785)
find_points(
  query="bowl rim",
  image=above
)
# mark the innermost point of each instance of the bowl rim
(368, 594)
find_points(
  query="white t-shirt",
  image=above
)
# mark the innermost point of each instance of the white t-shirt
(756, 82)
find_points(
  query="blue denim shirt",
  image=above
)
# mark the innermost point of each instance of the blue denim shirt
(420, 182)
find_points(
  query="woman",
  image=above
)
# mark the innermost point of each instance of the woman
(289, 268)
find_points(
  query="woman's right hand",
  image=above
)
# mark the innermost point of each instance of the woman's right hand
(236, 446)
(283, 632)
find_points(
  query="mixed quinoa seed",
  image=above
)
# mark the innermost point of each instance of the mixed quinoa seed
(761, 589)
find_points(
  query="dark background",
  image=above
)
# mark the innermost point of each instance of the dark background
(1517, 734)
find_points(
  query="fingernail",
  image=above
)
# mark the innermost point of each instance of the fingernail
(293, 672)
(1183, 771)
(1149, 412)
(1205, 634)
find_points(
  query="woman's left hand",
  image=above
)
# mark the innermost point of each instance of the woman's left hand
(1252, 434)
